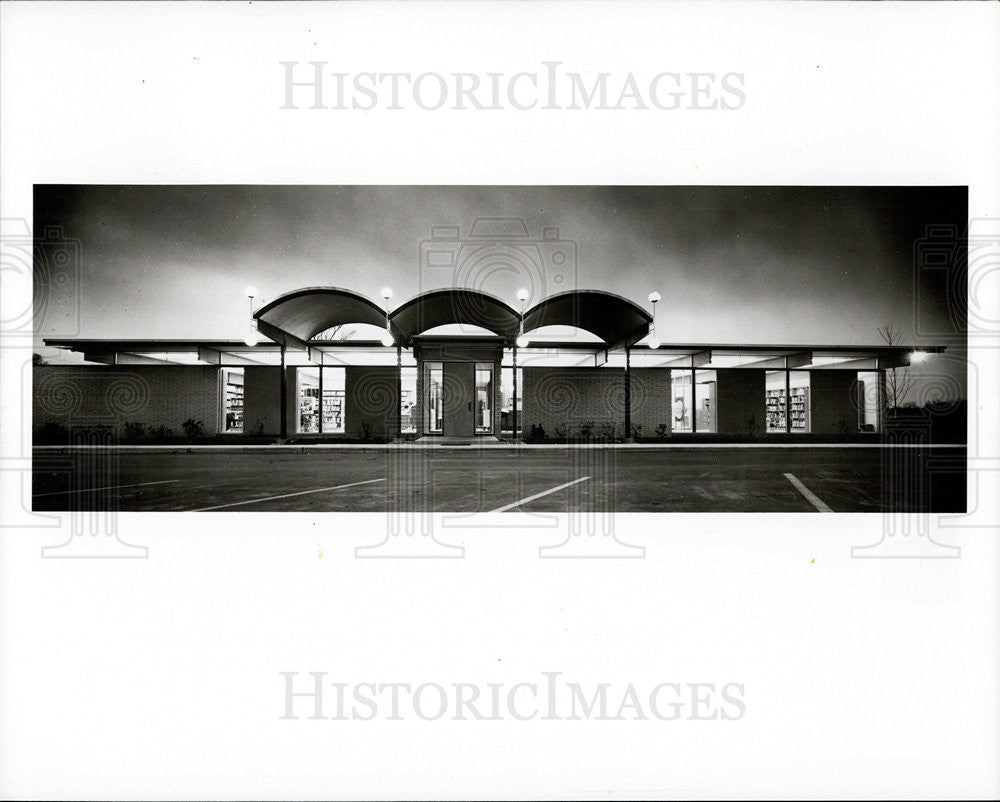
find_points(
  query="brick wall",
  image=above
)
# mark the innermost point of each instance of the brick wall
(832, 401)
(563, 398)
(371, 395)
(262, 398)
(741, 400)
(651, 400)
(153, 395)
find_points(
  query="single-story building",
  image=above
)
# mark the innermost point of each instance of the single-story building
(502, 371)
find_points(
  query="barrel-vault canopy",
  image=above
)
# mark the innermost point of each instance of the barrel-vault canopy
(450, 306)
(296, 317)
(615, 320)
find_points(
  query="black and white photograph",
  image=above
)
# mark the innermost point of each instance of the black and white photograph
(728, 349)
(450, 400)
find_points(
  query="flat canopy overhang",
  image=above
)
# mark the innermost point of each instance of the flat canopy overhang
(803, 357)
(617, 321)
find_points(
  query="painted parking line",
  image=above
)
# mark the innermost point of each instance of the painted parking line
(811, 497)
(106, 487)
(287, 495)
(506, 507)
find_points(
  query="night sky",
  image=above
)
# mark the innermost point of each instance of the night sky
(792, 265)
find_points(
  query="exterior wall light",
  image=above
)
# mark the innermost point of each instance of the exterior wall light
(252, 338)
(653, 341)
(522, 340)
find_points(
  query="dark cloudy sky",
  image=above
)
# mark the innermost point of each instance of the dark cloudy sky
(802, 265)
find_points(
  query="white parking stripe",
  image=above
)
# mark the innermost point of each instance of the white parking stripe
(107, 487)
(811, 497)
(286, 495)
(506, 507)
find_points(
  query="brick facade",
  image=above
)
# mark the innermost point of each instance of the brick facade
(372, 400)
(562, 399)
(151, 395)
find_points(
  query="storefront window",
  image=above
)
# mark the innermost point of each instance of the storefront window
(798, 380)
(232, 404)
(484, 397)
(776, 401)
(408, 400)
(434, 401)
(681, 404)
(705, 401)
(333, 400)
(307, 391)
(868, 401)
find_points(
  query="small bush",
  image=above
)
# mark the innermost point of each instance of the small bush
(586, 429)
(636, 431)
(52, 434)
(367, 427)
(608, 431)
(560, 431)
(160, 433)
(661, 430)
(133, 431)
(193, 428)
(537, 434)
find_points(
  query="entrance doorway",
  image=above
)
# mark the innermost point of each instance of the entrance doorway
(456, 396)
(459, 398)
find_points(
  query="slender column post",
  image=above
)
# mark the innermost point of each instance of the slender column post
(694, 399)
(513, 409)
(788, 398)
(399, 392)
(284, 396)
(321, 360)
(628, 393)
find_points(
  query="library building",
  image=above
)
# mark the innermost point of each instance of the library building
(454, 365)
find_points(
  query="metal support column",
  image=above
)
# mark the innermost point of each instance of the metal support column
(284, 397)
(788, 398)
(628, 393)
(694, 400)
(399, 392)
(513, 409)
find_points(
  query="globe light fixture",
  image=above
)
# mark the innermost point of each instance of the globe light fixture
(654, 343)
(250, 291)
(387, 293)
(522, 341)
(654, 297)
(522, 295)
(252, 338)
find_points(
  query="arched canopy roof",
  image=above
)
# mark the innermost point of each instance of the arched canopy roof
(296, 317)
(450, 306)
(616, 320)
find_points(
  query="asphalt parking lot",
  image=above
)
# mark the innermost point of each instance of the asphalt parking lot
(701, 479)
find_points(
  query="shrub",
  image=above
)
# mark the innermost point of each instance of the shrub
(193, 428)
(661, 430)
(133, 430)
(560, 431)
(586, 429)
(160, 433)
(367, 427)
(608, 430)
(52, 434)
(636, 431)
(537, 433)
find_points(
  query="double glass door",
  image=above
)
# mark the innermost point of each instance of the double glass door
(459, 398)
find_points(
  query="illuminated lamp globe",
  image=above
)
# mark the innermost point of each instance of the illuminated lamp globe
(522, 341)
(252, 338)
(654, 343)
(654, 297)
(250, 291)
(522, 295)
(387, 293)
(387, 339)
